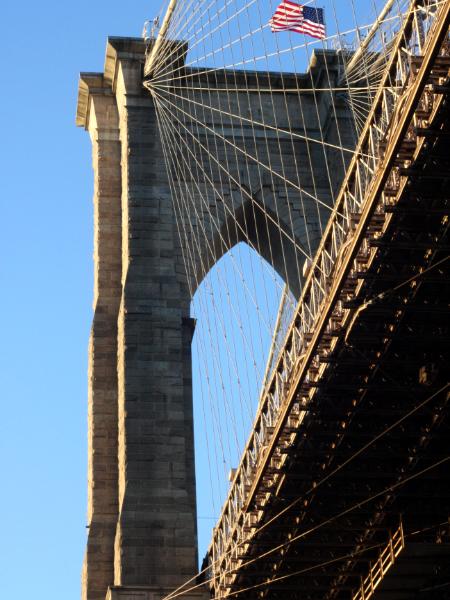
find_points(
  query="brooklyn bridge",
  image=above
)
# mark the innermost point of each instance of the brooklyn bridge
(271, 208)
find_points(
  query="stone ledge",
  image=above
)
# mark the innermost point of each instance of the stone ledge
(141, 592)
(125, 48)
(104, 83)
(89, 83)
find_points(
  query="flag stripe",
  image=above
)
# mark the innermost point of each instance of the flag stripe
(281, 17)
(290, 14)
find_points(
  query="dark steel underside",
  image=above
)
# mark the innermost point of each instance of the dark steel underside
(395, 357)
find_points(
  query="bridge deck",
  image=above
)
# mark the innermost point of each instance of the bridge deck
(332, 518)
(393, 360)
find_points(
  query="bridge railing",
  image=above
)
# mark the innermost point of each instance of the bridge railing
(381, 566)
(281, 410)
(286, 310)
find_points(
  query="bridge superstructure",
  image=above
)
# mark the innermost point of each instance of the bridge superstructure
(408, 110)
(311, 511)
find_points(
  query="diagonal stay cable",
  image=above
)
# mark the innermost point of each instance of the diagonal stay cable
(332, 473)
(175, 154)
(245, 174)
(294, 185)
(277, 52)
(362, 90)
(210, 32)
(184, 16)
(327, 521)
(204, 201)
(176, 167)
(169, 76)
(235, 181)
(326, 563)
(241, 274)
(264, 125)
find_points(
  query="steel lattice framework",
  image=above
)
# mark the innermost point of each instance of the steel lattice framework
(406, 104)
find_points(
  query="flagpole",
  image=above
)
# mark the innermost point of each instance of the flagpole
(325, 28)
(149, 63)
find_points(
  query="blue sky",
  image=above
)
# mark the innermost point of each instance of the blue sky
(46, 282)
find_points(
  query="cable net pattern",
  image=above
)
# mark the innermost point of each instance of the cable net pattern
(259, 130)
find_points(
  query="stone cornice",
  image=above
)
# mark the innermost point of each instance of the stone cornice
(89, 83)
(122, 48)
(117, 48)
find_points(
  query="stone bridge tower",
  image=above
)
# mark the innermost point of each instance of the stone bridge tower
(142, 539)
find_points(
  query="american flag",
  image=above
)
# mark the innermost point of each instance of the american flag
(290, 16)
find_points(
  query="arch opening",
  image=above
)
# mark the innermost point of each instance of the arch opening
(258, 223)
(235, 308)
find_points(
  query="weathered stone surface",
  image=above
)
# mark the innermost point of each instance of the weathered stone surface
(141, 463)
(103, 126)
(142, 514)
(251, 166)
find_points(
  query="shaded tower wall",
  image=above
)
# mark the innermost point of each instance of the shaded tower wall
(253, 161)
(142, 538)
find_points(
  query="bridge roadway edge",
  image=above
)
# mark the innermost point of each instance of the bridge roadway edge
(428, 58)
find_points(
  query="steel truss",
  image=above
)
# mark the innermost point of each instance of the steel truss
(407, 100)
